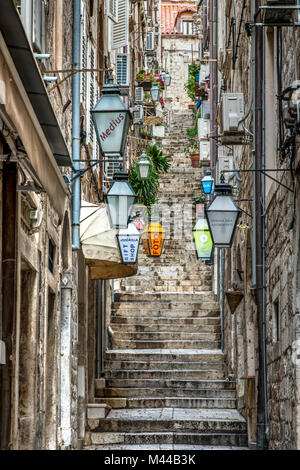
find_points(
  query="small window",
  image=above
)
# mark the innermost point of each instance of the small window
(187, 27)
(51, 256)
(276, 321)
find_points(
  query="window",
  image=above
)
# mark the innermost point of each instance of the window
(33, 18)
(187, 27)
(51, 256)
(122, 69)
(120, 29)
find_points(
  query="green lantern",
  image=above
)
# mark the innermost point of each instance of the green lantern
(202, 239)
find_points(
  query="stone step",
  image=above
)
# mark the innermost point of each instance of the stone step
(168, 402)
(177, 441)
(164, 298)
(156, 322)
(175, 355)
(159, 420)
(166, 336)
(163, 447)
(131, 392)
(161, 326)
(165, 374)
(198, 314)
(185, 384)
(160, 365)
(161, 344)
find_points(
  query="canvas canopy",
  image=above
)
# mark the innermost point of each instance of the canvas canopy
(99, 244)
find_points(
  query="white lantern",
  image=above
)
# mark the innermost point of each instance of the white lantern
(111, 121)
(143, 167)
(222, 215)
(120, 200)
(167, 79)
(155, 92)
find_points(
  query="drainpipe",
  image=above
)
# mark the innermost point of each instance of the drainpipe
(213, 12)
(223, 299)
(259, 284)
(76, 193)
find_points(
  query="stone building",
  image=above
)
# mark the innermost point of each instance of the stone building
(258, 57)
(44, 282)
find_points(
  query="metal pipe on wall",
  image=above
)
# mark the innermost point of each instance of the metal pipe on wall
(213, 52)
(259, 234)
(76, 188)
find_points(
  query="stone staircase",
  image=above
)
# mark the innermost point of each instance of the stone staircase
(165, 379)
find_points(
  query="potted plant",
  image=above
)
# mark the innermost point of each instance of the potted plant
(193, 150)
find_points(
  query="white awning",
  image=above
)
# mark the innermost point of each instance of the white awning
(99, 244)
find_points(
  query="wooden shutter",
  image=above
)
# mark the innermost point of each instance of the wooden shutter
(120, 29)
(122, 69)
(150, 41)
(38, 25)
(112, 10)
(139, 94)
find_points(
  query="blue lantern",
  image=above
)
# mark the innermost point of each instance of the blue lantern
(208, 183)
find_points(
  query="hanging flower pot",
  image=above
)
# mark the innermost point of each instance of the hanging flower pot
(234, 299)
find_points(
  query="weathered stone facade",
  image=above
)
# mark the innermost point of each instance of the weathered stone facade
(281, 229)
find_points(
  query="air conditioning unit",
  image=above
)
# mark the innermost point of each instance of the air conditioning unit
(204, 150)
(276, 11)
(150, 41)
(110, 168)
(139, 94)
(2, 353)
(204, 72)
(138, 114)
(205, 112)
(203, 128)
(224, 163)
(232, 112)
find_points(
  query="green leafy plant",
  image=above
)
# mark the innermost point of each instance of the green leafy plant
(192, 147)
(190, 86)
(198, 199)
(146, 190)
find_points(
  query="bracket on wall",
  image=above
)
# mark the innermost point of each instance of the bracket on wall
(252, 24)
(264, 173)
(72, 72)
(79, 173)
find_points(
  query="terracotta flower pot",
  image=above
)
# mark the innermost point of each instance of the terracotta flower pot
(195, 158)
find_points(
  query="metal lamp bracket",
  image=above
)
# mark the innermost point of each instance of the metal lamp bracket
(72, 72)
(264, 173)
(80, 173)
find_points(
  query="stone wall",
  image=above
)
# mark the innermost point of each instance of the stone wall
(281, 254)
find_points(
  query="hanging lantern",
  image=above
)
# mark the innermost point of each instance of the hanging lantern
(185, 57)
(120, 200)
(208, 183)
(155, 92)
(222, 215)
(129, 240)
(202, 240)
(143, 167)
(153, 238)
(163, 76)
(111, 120)
(167, 79)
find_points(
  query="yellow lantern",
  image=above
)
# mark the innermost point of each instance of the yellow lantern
(153, 238)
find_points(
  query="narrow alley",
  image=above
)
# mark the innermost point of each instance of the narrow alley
(166, 385)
